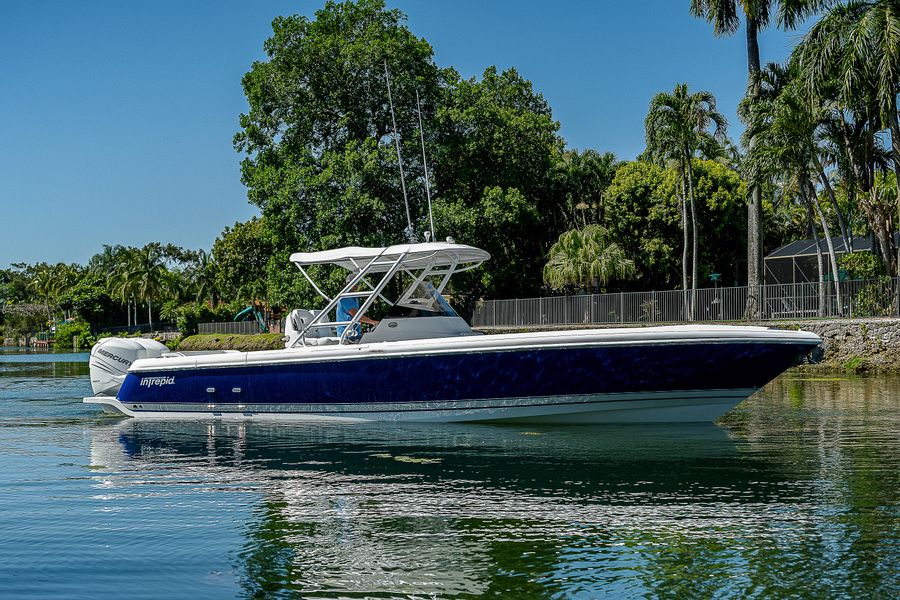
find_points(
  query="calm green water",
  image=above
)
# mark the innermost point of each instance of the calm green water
(794, 494)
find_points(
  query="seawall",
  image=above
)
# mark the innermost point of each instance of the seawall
(857, 345)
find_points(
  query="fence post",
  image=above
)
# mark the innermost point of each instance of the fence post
(622, 307)
(850, 301)
(764, 303)
(896, 296)
(722, 311)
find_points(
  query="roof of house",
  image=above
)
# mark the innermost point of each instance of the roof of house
(808, 247)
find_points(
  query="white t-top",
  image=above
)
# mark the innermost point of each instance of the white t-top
(434, 253)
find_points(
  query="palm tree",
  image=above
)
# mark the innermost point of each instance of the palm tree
(784, 124)
(857, 44)
(43, 284)
(582, 255)
(151, 275)
(584, 177)
(142, 274)
(202, 275)
(121, 281)
(63, 278)
(725, 16)
(677, 127)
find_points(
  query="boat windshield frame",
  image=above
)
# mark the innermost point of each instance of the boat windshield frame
(423, 263)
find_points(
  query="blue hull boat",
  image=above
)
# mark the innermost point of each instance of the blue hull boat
(423, 363)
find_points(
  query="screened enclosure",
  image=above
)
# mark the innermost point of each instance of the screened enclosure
(797, 263)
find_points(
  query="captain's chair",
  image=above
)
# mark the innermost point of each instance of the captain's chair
(317, 336)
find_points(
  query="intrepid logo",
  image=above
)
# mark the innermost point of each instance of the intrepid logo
(112, 356)
(156, 381)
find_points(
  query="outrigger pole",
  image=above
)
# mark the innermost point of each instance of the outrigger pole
(425, 165)
(410, 232)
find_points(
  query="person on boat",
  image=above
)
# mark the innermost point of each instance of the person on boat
(347, 309)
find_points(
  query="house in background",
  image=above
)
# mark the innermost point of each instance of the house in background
(796, 262)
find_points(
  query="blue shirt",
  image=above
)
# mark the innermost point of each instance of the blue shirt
(344, 306)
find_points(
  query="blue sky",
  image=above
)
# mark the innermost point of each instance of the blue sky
(116, 118)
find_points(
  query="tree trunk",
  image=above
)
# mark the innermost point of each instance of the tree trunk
(690, 179)
(150, 313)
(834, 204)
(895, 148)
(878, 217)
(831, 256)
(819, 262)
(684, 252)
(754, 204)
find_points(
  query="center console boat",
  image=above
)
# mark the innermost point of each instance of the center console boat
(422, 362)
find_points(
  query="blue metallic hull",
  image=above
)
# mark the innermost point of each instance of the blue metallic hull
(523, 384)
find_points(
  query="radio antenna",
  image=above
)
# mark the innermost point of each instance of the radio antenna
(410, 232)
(425, 165)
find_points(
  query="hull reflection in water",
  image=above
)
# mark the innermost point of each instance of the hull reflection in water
(456, 509)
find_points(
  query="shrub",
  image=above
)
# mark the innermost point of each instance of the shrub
(861, 265)
(876, 299)
(67, 331)
(188, 316)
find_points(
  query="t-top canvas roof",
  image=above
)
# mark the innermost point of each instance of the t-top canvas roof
(354, 258)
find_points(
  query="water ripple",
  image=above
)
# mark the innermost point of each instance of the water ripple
(795, 494)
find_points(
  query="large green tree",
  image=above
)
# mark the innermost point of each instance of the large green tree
(642, 214)
(496, 154)
(317, 138)
(320, 160)
(506, 224)
(242, 254)
(321, 99)
(495, 131)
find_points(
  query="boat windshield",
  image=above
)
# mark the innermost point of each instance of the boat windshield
(423, 301)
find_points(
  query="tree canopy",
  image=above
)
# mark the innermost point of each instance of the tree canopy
(819, 155)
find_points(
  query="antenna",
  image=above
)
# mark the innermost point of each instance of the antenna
(425, 165)
(410, 232)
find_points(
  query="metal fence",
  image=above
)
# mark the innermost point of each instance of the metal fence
(242, 327)
(858, 298)
(144, 328)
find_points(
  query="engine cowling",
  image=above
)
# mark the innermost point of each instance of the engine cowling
(112, 357)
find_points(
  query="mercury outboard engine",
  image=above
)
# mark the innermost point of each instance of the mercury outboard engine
(111, 358)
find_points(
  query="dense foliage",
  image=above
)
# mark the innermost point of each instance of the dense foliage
(819, 158)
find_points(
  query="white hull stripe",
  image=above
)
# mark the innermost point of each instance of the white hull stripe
(455, 410)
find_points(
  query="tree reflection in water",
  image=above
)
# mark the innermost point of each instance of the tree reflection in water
(796, 493)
